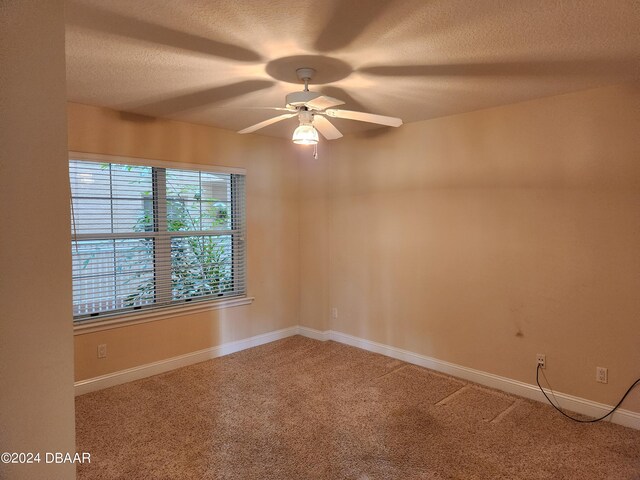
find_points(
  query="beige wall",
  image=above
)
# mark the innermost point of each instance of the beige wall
(484, 238)
(36, 349)
(272, 234)
(314, 238)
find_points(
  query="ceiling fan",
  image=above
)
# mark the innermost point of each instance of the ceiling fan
(312, 110)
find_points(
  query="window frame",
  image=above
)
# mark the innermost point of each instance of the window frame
(160, 312)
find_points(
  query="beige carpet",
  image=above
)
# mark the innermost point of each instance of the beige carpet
(303, 409)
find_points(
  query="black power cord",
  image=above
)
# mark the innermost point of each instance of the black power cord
(577, 419)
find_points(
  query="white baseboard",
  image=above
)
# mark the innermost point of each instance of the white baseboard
(149, 369)
(569, 402)
(315, 334)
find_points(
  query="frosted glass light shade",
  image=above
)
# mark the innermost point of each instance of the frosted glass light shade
(305, 135)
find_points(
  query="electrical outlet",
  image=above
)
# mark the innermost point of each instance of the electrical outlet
(334, 313)
(541, 358)
(102, 350)
(602, 375)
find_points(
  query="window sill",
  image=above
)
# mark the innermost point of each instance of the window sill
(137, 318)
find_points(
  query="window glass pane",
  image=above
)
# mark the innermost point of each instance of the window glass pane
(200, 266)
(111, 198)
(132, 215)
(112, 274)
(93, 273)
(183, 215)
(130, 181)
(216, 215)
(135, 283)
(89, 179)
(91, 215)
(198, 201)
(215, 187)
(184, 184)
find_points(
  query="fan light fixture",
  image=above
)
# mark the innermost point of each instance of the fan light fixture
(305, 134)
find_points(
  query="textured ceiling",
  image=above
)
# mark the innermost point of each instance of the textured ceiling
(206, 61)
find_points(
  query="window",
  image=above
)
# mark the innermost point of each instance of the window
(148, 237)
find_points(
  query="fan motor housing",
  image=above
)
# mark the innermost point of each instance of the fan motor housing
(297, 99)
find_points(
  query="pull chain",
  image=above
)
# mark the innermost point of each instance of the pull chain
(315, 151)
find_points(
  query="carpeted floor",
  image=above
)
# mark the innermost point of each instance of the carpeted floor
(304, 409)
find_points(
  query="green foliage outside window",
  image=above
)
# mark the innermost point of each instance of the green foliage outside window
(200, 264)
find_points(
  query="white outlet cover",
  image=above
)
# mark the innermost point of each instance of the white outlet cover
(602, 375)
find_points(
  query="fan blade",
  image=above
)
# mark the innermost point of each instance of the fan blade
(268, 122)
(326, 128)
(279, 109)
(349, 101)
(322, 102)
(365, 117)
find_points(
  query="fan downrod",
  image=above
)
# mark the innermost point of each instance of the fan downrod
(305, 74)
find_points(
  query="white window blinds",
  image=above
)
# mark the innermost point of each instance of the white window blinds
(148, 237)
